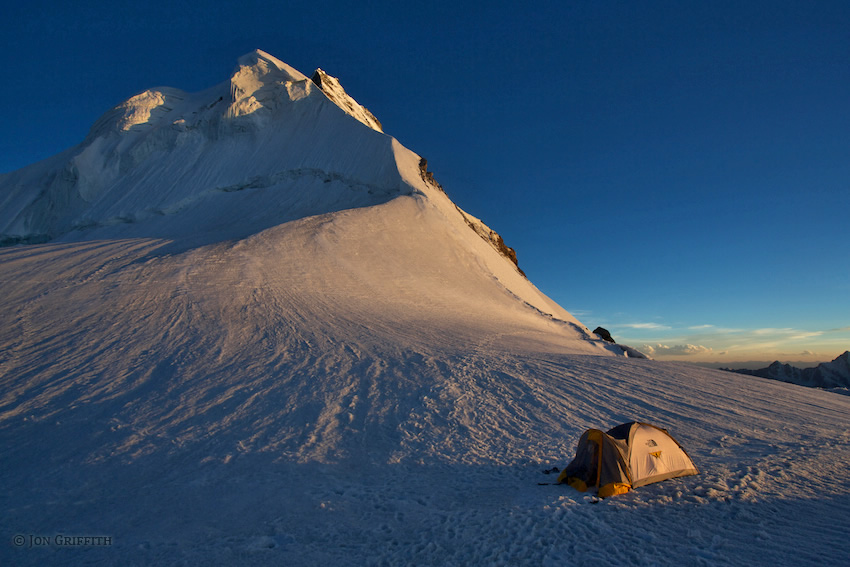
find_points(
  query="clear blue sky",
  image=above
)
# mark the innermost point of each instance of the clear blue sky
(678, 172)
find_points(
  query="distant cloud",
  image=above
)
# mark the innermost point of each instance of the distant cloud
(771, 331)
(789, 333)
(650, 326)
(675, 350)
(806, 335)
(715, 330)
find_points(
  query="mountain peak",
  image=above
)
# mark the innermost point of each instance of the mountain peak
(269, 142)
(262, 82)
(260, 60)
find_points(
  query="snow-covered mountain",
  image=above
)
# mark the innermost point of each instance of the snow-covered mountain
(245, 326)
(830, 375)
(265, 148)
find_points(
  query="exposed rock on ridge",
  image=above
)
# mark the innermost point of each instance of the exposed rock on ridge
(604, 334)
(334, 91)
(489, 235)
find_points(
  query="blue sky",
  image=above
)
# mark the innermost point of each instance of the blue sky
(677, 172)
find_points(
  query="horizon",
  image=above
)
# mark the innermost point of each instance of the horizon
(676, 175)
(758, 364)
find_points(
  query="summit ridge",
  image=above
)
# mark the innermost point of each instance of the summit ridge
(334, 91)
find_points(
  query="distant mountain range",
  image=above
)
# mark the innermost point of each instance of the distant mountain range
(827, 375)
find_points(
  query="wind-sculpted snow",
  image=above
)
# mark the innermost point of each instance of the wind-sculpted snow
(290, 399)
(255, 346)
(182, 416)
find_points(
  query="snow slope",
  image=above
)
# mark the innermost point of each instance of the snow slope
(262, 336)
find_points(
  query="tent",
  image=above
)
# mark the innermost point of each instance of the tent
(627, 456)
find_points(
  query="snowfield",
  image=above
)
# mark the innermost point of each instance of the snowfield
(255, 333)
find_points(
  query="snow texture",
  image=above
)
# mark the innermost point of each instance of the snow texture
(241, 328)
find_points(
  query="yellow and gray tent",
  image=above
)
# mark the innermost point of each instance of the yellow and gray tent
(627, 456)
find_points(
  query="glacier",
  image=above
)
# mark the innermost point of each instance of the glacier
(246, 326)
